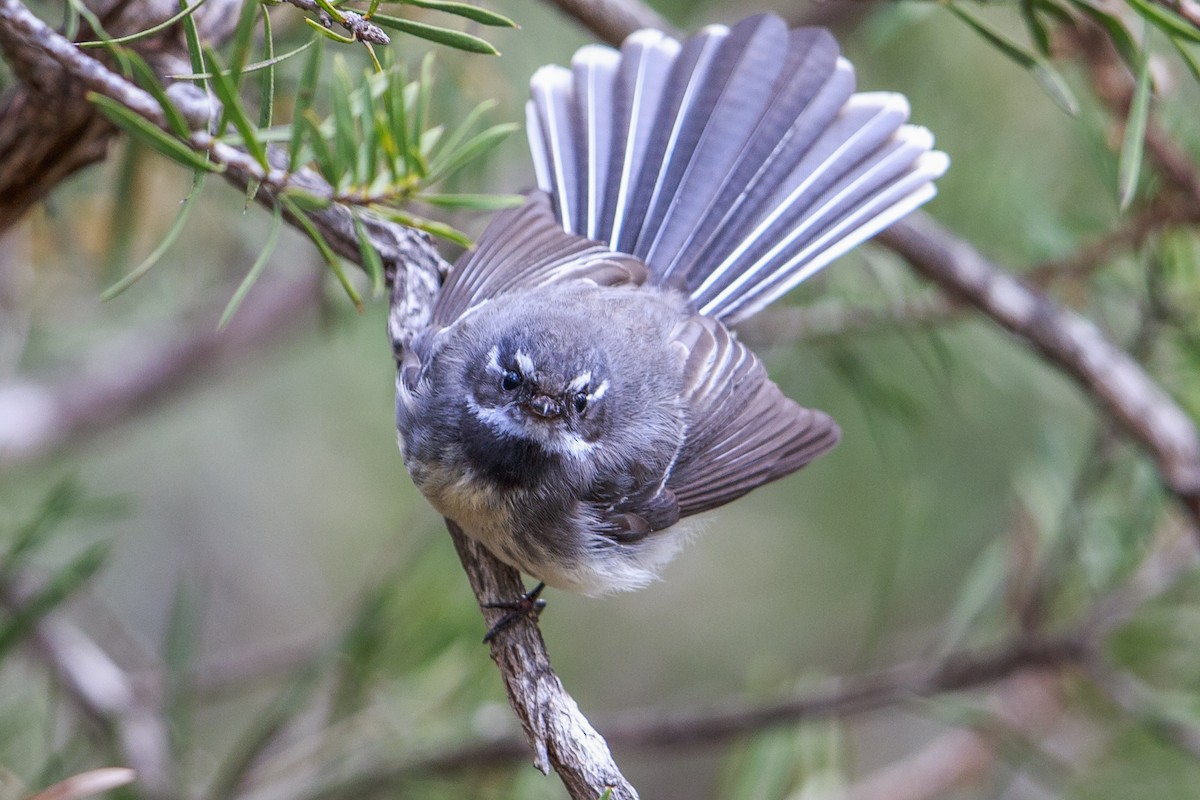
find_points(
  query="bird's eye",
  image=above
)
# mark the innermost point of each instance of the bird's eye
(581, 402)
(511, 380)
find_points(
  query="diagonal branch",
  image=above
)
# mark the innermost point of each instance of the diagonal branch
(1068, 341)
(560, 735)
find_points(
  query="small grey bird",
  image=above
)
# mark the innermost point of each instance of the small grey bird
(579, 390)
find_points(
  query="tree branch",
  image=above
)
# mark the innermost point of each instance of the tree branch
(1068, 341)
(560, 735)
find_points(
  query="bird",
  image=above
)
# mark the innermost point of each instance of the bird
(579, 392)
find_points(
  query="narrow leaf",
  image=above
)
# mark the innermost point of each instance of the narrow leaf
(255, 67)
(61, 586)
(328, 34)
(191, 35)
(1117, 31)
(439, 229)
(1035, 26)
(322, 155)
(145, 77)
(481, 15)
(226, 92)
(304, 100)
(266, 85)
(1166, 20)
(460, 133)
(162, 26)
(472, 202)
(241, 41)
(370, 258)
(136, 125)
(473, 149)
(61, 501)
(345, 132)
(451, 38)
(172, 234)
(1130, 163)
(1038, 67)
(1189, 58)
(331, 258)
(256, 269)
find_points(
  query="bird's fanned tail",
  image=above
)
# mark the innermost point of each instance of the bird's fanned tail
(735, 164)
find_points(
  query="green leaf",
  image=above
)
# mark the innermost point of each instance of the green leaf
(473, 202)
(1035, 26)
(368, 135)
(345, 133)
(1117, 31)
(145, 77)
(1189, 58)
(323, 156)
(439, 229)
(191, 35)
(307, 200)
(59, 503)
(473, 149)
(226, 92)
(266, 85)
(61, 586)
(1166, 20)
(256, 66)
(241, 41)
(172, 234)
(137, 125)
(328, 34)
(1130, 163)
(186, 11)
(460, 133)
(481, 15)
(370, 257)
(304, 100)
(1038, 67)
(256, 269)
(331, 258)
(451, 38)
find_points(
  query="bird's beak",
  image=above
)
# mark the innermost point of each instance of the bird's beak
(544, 406)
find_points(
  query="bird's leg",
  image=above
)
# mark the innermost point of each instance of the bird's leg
(528, 605)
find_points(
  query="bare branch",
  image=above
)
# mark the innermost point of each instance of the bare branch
(560, 735)
(1073, 344)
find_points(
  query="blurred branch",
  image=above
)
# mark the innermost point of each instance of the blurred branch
(1025, 704)
(1068, 341)
(833, 319)
(37, 418)
(560, 735)
(613, 20)
(103, 691)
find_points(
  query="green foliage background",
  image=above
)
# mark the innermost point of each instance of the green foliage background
(266, 509)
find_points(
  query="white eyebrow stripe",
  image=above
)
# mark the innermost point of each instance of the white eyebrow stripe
(525, 363)
(580, 381)
(493, 363)
(600, 390)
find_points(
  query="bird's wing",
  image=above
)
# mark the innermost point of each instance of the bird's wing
(523, 248)
(743, 432)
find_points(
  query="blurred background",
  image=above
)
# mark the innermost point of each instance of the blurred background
(272, 574)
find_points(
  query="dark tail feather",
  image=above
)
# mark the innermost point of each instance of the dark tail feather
(735, 165)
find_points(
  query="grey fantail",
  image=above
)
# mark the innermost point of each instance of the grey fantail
(579, 390)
